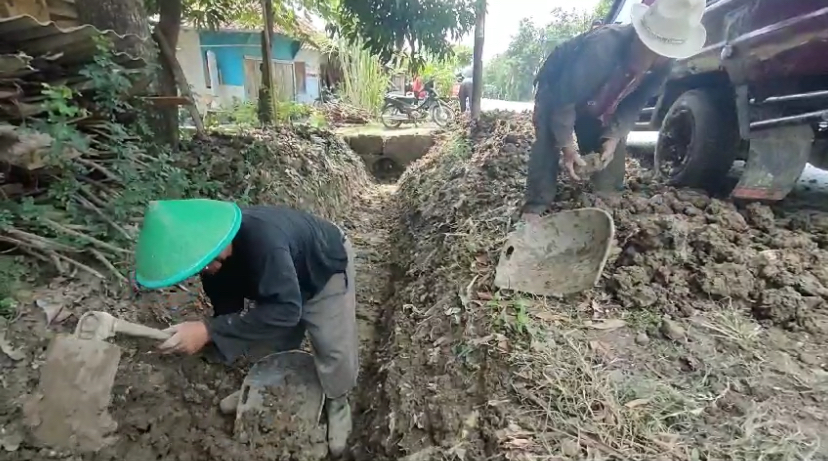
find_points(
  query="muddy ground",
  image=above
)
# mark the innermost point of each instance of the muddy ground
(705, 339)
(166, 408)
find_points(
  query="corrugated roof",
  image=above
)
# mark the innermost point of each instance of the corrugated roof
(305, 30)
(65, 46)
(34, 52)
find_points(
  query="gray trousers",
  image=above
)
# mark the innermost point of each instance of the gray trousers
(542, 177)
(329, 319)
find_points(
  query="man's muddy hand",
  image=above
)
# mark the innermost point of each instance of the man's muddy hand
(571, 158)
(187, 338)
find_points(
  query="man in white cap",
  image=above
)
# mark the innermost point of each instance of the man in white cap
(596, 84)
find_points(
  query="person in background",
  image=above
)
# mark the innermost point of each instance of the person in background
(417, 87)
(296, 268)
(465, 92)
(596, 24)
(595, 86)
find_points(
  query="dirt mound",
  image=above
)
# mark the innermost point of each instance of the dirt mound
(469, 371)
(166, 407)
(681, 252)
(301, 166)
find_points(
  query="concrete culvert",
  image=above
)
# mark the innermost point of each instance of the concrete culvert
(388, 153)
(386, 170)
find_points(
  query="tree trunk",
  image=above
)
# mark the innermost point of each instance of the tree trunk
(124, 17)
(477, 69)
(266, 99)
(166, 119)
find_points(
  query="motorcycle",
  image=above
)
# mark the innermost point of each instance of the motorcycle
(399, 109)
(326, 96)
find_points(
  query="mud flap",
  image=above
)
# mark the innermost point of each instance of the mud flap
(776, 160)
(560, 254)
(284, 383)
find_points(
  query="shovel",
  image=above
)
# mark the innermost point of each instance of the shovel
(281, 392)
(558, 255)
(69, 409)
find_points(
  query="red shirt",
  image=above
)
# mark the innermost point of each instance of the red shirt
(606, 101)
(417, 85)
(625, 81)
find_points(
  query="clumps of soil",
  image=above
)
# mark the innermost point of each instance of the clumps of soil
(681, 252)
(469, 371)
(286, 427)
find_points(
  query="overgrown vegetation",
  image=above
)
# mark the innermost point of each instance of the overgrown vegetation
(243, 115)
(387, 27)
(95, 190)
(83, 212)
(364, 79)
(443, 70)
(13, 270)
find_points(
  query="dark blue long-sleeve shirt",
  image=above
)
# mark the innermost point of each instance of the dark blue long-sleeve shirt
(281, 258)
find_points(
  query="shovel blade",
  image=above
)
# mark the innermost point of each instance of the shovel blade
(69, 409)
(281, 383)
(777, 158)
(560, 254)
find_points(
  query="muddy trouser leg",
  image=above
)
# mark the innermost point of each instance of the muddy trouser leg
(463, 98)
(330, 318)
(542, 177)
(588, 131)
(611, 178)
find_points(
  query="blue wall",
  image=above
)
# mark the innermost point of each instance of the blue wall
(231, 48)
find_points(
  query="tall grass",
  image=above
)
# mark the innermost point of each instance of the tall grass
(443, 72)
(364, 81)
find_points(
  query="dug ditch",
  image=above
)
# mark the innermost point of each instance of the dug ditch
(169, 408)
(454, 369)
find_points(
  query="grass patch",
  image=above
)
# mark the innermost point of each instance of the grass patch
(12, 273)
(585, 396)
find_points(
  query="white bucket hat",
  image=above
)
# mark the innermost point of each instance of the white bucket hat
(671, 28)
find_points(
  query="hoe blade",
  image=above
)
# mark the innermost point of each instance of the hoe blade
(561, 254)
(69, 409)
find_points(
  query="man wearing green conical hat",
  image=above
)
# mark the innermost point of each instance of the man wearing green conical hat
(297, 269)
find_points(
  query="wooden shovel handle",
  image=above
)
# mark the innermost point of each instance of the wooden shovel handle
(134, 329)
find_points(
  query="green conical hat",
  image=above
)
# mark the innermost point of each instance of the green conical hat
(180, 237)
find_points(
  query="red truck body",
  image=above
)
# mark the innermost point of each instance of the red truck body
(758, 91)
(769, 39)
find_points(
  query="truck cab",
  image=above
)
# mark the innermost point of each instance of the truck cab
(758, 92)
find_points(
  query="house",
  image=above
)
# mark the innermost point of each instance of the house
(223, 66)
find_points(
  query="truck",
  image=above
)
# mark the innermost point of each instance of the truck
(757, 92)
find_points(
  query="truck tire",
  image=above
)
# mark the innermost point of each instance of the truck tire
(699, 140)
